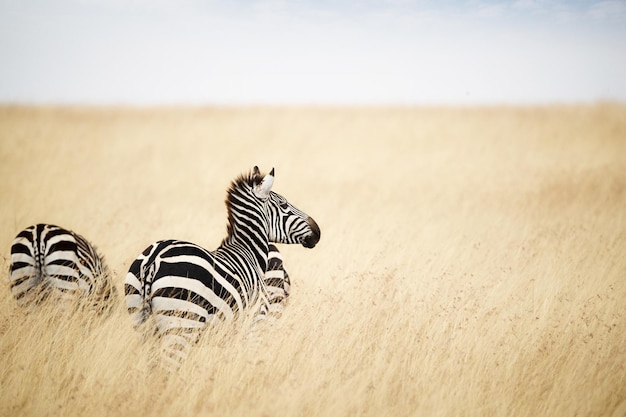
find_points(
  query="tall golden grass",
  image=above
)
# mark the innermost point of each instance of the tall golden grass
(472, 260)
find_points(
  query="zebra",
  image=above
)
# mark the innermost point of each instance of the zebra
(183, 287)
(48, 261)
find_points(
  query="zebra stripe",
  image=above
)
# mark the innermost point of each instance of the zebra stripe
(276, 280)
(47, 259)
(180, 286)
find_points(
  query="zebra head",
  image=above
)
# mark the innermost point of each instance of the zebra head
(287, 223)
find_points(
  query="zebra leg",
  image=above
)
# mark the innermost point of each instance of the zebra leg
(179, 324)
(62, 276)
(256, 327)
(25, 272)
(103, 294)
(95, 275)
(274, 295)
(276, 290)
(276, 282)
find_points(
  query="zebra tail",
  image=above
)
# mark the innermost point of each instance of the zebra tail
(137, 296)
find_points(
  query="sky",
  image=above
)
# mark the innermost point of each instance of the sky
(398, 52)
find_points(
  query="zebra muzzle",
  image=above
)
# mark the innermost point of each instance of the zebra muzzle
(312, 238)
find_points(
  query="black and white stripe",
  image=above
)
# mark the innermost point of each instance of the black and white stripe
(180, 286)
(276, 281)
(49, 261)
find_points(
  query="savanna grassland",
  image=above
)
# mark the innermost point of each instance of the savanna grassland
(472, 260)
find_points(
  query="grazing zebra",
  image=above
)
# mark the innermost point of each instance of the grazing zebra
(184, 286)
(49, 261)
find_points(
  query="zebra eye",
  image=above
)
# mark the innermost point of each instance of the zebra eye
(284, 205)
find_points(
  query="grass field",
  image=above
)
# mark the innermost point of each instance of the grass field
(472, 260)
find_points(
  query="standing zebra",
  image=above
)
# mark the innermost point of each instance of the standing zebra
(184, 287)
(47, 260)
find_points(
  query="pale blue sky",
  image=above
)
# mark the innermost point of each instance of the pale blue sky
(142, 52)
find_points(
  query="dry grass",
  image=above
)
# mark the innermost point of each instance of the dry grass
(472, 261)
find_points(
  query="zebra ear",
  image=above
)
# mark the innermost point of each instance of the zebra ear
(263, 189)
(256, 175)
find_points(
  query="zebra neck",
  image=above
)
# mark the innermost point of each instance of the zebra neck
(255, 250)
(247, 229)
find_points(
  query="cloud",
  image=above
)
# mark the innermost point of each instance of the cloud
(528, 4)
(613, 10)
(491, 10)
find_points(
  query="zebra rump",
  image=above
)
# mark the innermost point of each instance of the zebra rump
(48, 261)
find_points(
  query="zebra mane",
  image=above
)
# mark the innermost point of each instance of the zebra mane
(243, 183)
(252, 178)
